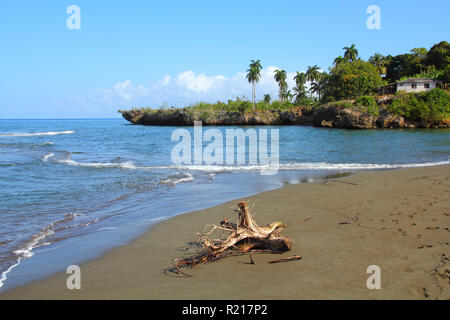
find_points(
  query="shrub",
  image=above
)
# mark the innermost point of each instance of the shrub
(367, 104)
(433, 105)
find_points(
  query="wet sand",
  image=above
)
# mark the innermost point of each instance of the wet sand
(402, 227)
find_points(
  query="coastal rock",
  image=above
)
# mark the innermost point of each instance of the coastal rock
(341, 117)
(388, 120)
(328, 116)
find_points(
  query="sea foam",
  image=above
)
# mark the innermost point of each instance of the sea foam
(283, 167)
(47, 156)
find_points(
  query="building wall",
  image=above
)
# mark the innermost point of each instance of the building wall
(407, 87)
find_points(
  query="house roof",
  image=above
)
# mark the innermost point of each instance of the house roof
(417, 80)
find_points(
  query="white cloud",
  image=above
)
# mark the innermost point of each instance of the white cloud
(199, 83)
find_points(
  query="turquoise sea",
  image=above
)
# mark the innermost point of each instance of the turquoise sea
(72, 189)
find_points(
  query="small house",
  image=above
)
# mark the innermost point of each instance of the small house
(409, 85)
(416, 85)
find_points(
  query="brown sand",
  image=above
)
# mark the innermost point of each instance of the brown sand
(403, 227)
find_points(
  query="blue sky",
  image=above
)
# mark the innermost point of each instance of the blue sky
(147, 53)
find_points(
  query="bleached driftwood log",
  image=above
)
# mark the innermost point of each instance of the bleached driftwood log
(245, 236)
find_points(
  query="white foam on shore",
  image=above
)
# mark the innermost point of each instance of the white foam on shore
(123, 165)
(298, 166)
(3, 275)
(177, 179)
(25, 134)
(283, 167)
(34, 242)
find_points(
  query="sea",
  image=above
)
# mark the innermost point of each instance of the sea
(72, 189)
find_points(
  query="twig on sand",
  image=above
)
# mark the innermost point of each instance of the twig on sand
(306, 220)
(293, 258)
(251, 258)
(350, 221)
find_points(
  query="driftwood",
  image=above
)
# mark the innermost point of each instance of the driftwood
(350, 221)
(306, 220)
(293, 258)
(243, 236)
(251, 258)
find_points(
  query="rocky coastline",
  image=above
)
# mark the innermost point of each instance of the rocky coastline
(329, 116)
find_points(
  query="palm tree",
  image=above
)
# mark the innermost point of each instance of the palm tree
(280, 78)
(287, 95)
(315, 88)
(351, 53)
(299, 89)
(338, 60)
(300, 78)
(253, 76)
(319, 84)
(267, 98)
(300, 94)
(312, 74)
(379, 61)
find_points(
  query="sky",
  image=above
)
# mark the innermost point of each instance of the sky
(174, 53)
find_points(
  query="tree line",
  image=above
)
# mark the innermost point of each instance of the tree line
(351, 77)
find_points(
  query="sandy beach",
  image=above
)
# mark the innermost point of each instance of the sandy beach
(403, 227)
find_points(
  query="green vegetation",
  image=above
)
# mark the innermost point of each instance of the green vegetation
(351, 80)
(433, 105)
(368, 105)
(205, 110)
(418, 63)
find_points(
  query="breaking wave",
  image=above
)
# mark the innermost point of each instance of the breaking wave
(123, 165)
(284, 166)
(25, 134)
(177, 178)
(47, 156)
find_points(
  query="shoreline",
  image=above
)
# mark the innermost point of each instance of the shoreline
(335, 257)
